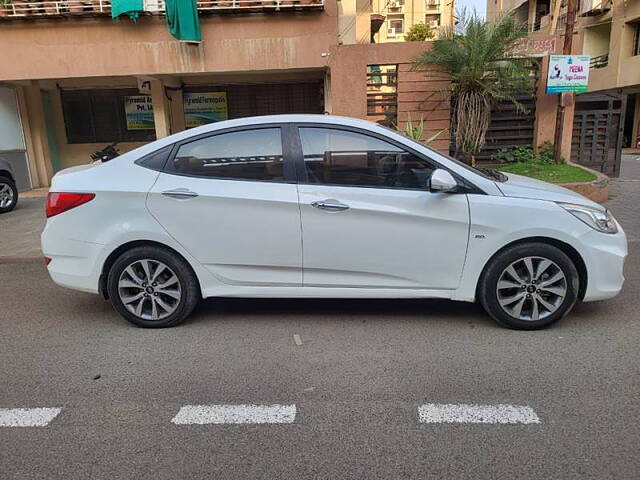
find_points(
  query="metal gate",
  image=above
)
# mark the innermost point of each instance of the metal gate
(598, 129)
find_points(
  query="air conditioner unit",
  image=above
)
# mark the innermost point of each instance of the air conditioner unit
(433, 23)
(395, 5)
(391, 32)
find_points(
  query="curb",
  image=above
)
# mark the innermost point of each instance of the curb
(596, 190)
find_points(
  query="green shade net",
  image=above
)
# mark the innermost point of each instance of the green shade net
(182, 19)
(132, 8)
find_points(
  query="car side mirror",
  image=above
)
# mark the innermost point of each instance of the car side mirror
(441, 181)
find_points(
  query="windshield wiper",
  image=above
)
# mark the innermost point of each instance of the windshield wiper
(495, 174)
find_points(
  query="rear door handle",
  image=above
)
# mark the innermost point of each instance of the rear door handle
(180, 193)
(330, 205)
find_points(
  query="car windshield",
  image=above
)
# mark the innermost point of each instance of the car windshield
(488, 173)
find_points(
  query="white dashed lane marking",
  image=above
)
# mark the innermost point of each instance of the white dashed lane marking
(461, 413)
(27, 417)
(224, 414)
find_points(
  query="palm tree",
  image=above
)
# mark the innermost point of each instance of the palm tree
(477, 57)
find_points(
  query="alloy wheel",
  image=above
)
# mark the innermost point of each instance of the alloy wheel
(531, 288)
(149, 289)
(6, 195)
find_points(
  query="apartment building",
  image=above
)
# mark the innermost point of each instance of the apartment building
(73, 80)
(398, 16)
(608, 31)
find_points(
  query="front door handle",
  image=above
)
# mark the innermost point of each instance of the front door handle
(330, 205)
(180, 193)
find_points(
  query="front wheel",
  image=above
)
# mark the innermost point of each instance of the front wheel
(152, 287)
(529, 286)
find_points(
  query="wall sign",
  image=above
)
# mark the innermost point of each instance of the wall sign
(568, 73)
(138, 110)
(203, 108)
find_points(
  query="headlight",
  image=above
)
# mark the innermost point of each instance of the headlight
(600, 220)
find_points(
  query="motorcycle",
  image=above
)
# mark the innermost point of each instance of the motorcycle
(107, 153)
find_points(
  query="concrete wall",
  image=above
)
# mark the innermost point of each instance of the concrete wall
(96, 47)
(420, 94)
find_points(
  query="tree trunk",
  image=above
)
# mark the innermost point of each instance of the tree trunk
(473, 113)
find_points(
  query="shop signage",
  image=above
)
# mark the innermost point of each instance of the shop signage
(568, 73)
(203, 108)
(138, 110)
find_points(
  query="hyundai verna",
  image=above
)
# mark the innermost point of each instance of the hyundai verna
(311, 206)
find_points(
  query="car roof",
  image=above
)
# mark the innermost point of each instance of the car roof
(289, 118)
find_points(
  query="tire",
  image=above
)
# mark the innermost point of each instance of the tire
(8, 194)
(547, 295)
(162, 285)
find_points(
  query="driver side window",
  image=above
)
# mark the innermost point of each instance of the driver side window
(341, 157)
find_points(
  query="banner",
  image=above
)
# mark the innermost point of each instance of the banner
(138, 110)
(568, 73)
(203, 108)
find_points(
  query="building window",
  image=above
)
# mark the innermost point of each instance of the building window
(116, 115)
(433, 20)
(396, 25)
(636, 38)
(382, 94)
(431, 4)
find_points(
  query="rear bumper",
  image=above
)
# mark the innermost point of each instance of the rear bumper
(74, 264)
(604, 256)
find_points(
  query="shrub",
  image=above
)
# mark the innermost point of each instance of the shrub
(419, 32)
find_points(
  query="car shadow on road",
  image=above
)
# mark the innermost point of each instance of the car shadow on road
(352, 309)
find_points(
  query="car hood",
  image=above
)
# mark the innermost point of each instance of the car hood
(525, 187)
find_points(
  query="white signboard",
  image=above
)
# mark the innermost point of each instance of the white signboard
(568, 73)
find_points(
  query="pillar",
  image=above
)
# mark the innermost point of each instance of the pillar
(161, 109)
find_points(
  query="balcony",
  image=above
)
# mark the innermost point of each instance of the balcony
(21, 9)
(432, 4)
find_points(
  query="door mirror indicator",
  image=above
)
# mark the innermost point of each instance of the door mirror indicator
(442, 181)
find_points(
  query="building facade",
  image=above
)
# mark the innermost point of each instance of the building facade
(75, 81)
(609, 32)
(401, 15)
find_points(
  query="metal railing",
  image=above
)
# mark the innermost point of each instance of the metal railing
(22, 9)
(600, 61)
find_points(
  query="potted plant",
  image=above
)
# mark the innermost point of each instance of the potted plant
(21, 7)
(75, 6)
(5, 8)
(50, 7)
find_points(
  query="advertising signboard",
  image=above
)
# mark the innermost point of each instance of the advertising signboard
(568, 73)
(138, 110)
(203, 108)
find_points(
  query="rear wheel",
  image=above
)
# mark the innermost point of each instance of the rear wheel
(8, 194)
(529, 286)
(152, 287)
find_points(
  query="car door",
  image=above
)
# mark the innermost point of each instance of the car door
(368, 219)
(231, 201)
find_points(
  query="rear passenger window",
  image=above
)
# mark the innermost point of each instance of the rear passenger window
(245, 155)
(340, 157)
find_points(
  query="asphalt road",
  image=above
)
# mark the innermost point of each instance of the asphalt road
(357, 372)
(357, 379)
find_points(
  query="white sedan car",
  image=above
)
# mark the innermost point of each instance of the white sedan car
(310, 206)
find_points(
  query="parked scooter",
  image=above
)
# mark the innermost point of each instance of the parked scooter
(107, 153)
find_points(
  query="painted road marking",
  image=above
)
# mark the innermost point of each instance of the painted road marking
(221, 414)
(297, 339)
(461, 413)
(27, 417)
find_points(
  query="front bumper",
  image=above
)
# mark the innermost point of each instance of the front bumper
(604, 255)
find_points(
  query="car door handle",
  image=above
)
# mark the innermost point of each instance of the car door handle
(330, 205)
(180, 193)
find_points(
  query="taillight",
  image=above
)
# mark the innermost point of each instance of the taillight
(60, 202)
(47, 260)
